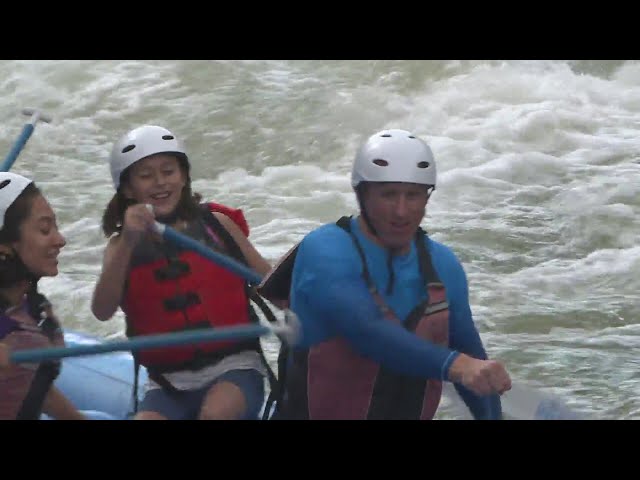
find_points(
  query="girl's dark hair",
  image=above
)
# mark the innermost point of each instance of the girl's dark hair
(113, 216)
(12, 269)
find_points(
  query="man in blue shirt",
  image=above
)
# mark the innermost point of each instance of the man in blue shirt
(384, 309)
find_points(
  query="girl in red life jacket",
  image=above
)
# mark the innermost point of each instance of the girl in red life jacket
(30, 243)
(162, 288)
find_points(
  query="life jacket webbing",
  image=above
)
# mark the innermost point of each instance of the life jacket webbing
(47, 371)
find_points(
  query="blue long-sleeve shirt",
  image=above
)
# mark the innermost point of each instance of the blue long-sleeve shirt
(331, 299)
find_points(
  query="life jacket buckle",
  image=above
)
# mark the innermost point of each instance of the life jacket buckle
(181, 302)
(174, 269)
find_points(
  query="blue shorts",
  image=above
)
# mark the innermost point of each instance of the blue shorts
(185, 405)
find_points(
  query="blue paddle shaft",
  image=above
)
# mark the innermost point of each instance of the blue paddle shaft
(27, 130)
(148, 341)
(162, 340)
(184, 241)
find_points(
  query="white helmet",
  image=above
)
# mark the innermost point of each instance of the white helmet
(394, 156)
(11, 186)
(140, 143)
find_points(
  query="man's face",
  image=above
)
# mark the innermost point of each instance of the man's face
(395, 211)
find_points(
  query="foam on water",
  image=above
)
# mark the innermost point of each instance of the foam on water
(538, 181)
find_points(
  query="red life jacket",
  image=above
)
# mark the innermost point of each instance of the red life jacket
(171, 290)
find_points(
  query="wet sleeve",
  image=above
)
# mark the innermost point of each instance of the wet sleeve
(464, 337)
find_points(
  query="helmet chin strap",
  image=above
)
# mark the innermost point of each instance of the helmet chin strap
(374, 232)
(363, 211)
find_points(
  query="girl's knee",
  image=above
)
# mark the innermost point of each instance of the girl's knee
(149, 416)
(224, 401)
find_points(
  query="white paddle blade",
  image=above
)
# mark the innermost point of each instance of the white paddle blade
(526, 403)
(36, 115)
(520, 403)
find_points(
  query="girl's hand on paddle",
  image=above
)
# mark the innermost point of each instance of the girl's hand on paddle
(138, 220)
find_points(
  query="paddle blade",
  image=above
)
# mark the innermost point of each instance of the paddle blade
(520, 403)
(526, 403)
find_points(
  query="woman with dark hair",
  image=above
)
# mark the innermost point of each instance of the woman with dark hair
(30, 243)
(162, 288)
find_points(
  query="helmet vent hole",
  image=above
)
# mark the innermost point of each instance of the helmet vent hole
(5, 183)
(423, 164)
(128, 148)
(386, 135)
(411, 136)
(380, 162)
(168, 137)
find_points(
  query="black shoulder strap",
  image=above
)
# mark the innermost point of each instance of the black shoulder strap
(234, 250)
(40, 385)
(212, 222)
(429, 274)
(7, 325)
(47, 371)
(345, 224)
(136, 377)
(43, 379)
(276, 395)
(262, 305)
(31, 407)
(429, 277)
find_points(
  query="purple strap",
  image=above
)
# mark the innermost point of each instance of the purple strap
(7, 325)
